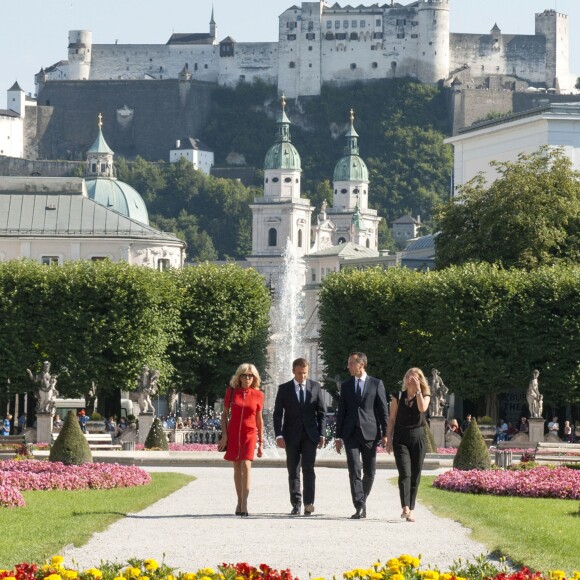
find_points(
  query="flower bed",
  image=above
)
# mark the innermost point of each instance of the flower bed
(405, 567)
(16, 476)
(559, 482)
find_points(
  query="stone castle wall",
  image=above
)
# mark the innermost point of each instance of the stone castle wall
(136, 119)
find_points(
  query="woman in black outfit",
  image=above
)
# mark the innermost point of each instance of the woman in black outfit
(406, 436)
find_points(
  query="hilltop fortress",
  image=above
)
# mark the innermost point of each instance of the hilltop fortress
(319, 44)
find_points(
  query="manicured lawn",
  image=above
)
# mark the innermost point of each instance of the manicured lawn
(542, 534)
(54, 519)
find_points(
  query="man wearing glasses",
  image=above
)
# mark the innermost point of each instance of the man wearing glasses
(299, 426)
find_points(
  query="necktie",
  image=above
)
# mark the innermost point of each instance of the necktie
(301, 395)
(358, 390)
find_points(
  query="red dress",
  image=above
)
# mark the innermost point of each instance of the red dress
(242, 429)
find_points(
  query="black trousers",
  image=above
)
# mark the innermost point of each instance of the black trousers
(409, 448)
(358, 448)
(301, 454)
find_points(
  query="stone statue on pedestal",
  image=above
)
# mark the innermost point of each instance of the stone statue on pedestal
(533, 396)
(147, 388)
(46, 392)
(438, 394)
(172, 402)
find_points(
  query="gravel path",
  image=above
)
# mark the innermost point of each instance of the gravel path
(195, 527)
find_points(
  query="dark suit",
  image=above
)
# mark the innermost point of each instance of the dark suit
(301, 427)
(361, 425)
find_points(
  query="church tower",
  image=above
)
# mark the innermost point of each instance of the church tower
(281, 214)
(351, 197)
(99, 156)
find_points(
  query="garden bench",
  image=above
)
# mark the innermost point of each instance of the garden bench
(97, 441)
(9, 443)
(514, 445)
(557, 451)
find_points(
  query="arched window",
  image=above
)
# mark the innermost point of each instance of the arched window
(342, 240)
(368, 243)
(299, 238)
(272, 237)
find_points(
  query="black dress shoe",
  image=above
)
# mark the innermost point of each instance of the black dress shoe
(238, 513)
(359, 514)
(244, 514)
(295, 511)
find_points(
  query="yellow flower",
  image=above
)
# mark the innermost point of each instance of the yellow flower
(576, 575)
(205, 578)
(151, 564)
(393, 562)
(53, 577)
(206, 571)
(94, 572)
(376, 576)
(56, 560)
(132, 572)
(170, 577)
(70, 574)
(46, 567)
(239, 578)
(430, 575)
(120, 578)
(190, 576)
(348, 575)
(397, 577)
(7, 577)
(557, 574)
(446, 576)
(395, 569)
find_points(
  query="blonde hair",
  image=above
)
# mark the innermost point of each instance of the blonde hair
(243, 369)
(424, 385)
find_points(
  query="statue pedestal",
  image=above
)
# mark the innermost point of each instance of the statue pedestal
(43, 427)
(536, 430)
(145, 422)
(437, 426)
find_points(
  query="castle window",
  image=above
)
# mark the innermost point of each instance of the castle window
(296, 180)
(310, 25)
(329, 36)
(374, 65)
(291, 64)
(414, 36)
(430, 44)
(242, 77)
(337, 24)
(291, 37)
(401, 35)
(341, 36)
(342, 240)
(226, 49)
(378, 22)
(352, 65)
(49, 260)
(377, 35)
(299, 238)
(163, 264)
(329, 24)
(363, 23)
(345, 24)
(356, 190)
(368, 243)
(313, 275)
(266, 180)
(343, 190)
(287, 180)
(93, 167)
(373, 47)
(401, 21)
(195, 67)
(309, 48)
(275, 180)
(310, 65)
(310, 36)
(353, 24)
(272, 237)
(354, 36)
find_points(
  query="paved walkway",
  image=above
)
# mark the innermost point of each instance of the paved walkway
(195, 527)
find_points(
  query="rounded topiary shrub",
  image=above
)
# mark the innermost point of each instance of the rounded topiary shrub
(431, 445)
(156, 438)
(71, 447)
(472, 453)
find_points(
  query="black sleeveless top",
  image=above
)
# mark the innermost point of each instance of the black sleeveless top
(408, 414)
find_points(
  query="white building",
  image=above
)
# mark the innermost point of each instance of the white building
(320, 43)
(196, 152)
(12, 122)
(503, 139)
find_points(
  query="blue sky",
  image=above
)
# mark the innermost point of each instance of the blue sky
(35, 34)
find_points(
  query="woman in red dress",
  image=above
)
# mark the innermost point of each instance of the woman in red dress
(243, 405)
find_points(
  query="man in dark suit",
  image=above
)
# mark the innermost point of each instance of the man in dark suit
(299, 426)
(361, 422)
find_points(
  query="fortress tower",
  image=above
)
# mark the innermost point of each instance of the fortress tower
(433, 48)
(554, 27)
(80, 44)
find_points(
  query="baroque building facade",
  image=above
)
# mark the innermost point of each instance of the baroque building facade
(320, 43)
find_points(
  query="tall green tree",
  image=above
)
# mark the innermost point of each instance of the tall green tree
(527, 217)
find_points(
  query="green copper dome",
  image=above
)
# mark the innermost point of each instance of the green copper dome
(282, 155)
(351, 167)
(118, 196)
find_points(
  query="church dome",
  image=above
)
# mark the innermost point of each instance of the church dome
(351, 167)
(282, 155)
(118, 196)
